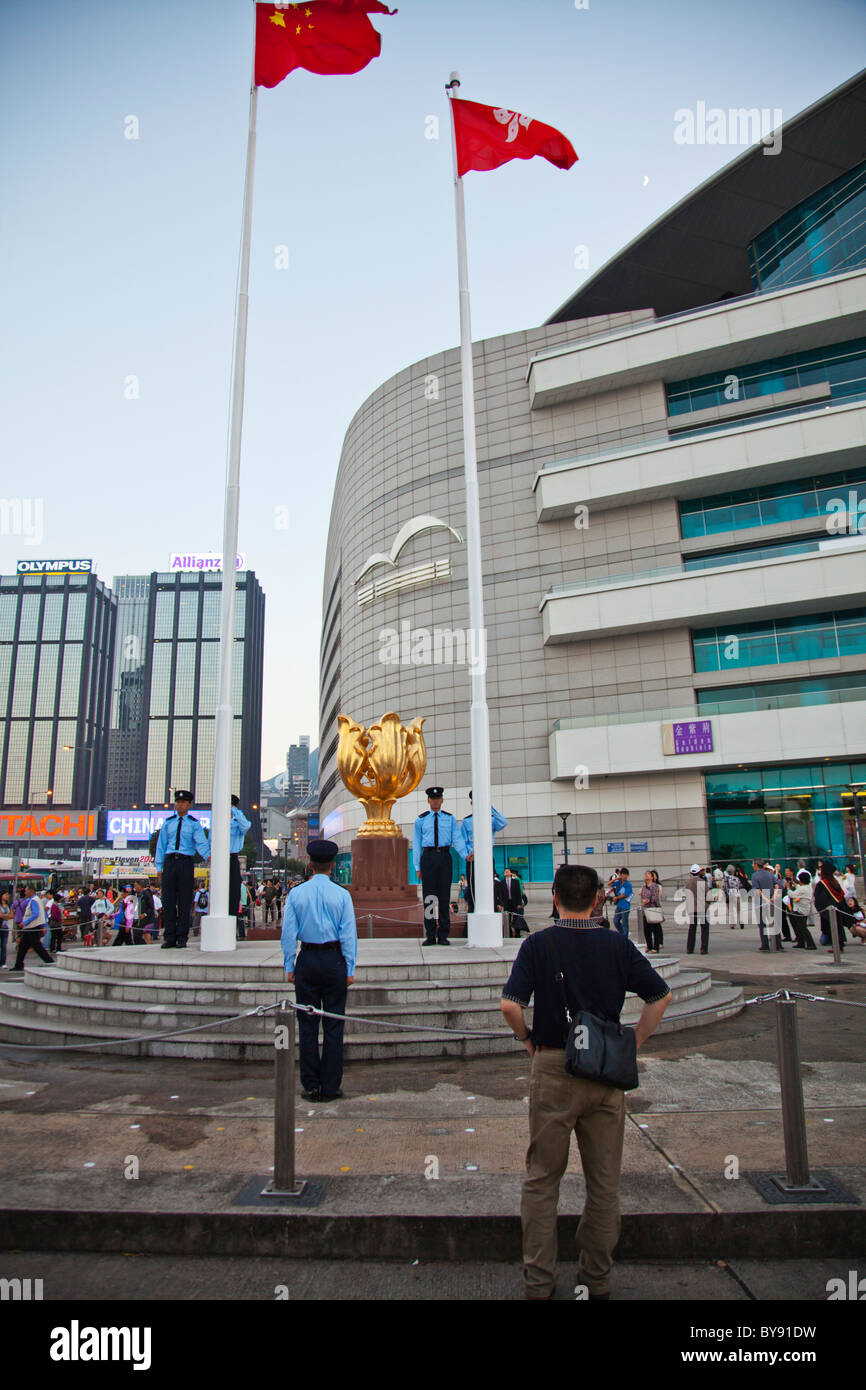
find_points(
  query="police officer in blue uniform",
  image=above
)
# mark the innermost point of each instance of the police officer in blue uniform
(498, 822)
(435, 832)
(238, 827)
(320, 919)
(180, 839)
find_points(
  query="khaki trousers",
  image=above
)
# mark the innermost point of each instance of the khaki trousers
(559, 1104)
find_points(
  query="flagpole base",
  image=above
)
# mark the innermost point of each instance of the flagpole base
(484, 929)
(219, 933)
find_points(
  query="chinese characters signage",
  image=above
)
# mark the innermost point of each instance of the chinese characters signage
(695, 736)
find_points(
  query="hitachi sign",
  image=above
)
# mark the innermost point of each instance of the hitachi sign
(47, 825)
(55, 566)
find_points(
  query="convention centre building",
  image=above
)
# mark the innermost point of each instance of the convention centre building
(672, 473)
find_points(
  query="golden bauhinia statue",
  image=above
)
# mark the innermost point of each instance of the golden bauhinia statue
(379, 765)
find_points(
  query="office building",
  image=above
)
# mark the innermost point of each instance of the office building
(56, 652)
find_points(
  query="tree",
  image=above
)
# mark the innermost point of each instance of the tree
(250, 850)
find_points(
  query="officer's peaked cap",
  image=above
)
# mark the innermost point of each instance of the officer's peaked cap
(435, 791)
(183, 796)
(322, 851)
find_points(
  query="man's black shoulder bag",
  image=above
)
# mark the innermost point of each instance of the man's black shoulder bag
(596, 1049)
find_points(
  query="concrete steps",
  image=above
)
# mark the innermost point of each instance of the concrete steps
(112, 994)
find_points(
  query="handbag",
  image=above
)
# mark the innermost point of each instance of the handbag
(654, 915)
(597, 1049)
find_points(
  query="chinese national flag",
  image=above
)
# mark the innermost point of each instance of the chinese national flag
(488, 136)
(325, 36)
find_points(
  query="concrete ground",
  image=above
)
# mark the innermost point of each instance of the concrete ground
(445, 1138)
(114, 1278)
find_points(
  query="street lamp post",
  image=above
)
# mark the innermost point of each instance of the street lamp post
(84, 748)
(563, 833)
(856, 791)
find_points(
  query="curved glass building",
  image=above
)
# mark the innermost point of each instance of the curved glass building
(673, 494)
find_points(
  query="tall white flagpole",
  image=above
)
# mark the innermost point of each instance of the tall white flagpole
(484, 925)
(218, 929)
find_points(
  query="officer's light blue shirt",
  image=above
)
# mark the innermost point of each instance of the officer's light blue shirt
(237, 830)
(319, 911)
(192, 838)
(623, 896)
(497, 821)
(424, 837)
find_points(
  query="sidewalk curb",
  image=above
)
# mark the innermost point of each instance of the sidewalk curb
(296, 1235)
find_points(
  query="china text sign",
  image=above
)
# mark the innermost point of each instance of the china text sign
(692, 736)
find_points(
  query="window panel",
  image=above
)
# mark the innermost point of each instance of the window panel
(181, 753)
(29, 624)
(188, 614)
(156, 782)
(70, 680)
(8, 615)
(160, 679)
(164, 618)
(52, 618)
(14, 790)
(40, 761)
(23, 678)
(184, 685)
(75, 613)
(46, 688)
(5, 673)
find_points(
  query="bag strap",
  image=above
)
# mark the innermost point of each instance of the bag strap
(559, 975)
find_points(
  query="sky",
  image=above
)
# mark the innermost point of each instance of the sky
(120, 254)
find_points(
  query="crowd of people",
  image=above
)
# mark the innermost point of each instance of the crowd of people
(98, 914)
(787, 905)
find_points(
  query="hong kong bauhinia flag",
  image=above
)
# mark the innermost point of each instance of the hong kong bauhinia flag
(488, 136)
(325, 36)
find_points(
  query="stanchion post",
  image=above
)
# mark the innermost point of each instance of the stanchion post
(369, 924)
(797, 1176)
(834, 936)
(284, 1183)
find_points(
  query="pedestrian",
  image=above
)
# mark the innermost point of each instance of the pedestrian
(695, 889)
(800, 906)
(622, 896)
(733, 888)
(594, 968)
(514, 901)
(85, 912)
(238, 827)
(7, 917)
(124, 918)
(200, 904)
(789, 883)
(497, 822)
(767, 897)
(829, 898)
(320, 944)
(848, 881)
(243, 911)
(145, 914)
(435, 832)
(54, 913)
(651, 911)
(101, 910)
(270, 901)
(181, 837)
(32, 928)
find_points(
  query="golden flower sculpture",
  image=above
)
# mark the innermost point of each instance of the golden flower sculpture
(379, 765)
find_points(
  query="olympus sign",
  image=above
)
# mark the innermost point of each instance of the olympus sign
(55, 566)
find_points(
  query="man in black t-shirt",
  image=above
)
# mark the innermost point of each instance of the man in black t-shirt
(600, 966)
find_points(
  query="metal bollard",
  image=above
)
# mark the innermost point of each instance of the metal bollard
(284, 1183)
(369, 924)
(835, 939)
(798, 1178)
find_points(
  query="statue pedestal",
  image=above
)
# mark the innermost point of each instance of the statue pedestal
(380, 889)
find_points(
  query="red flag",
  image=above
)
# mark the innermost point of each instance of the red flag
(325, 36)
(488, 136)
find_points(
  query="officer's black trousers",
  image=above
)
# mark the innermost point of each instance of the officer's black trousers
(320, 980)
(234, 885)
(436, 884)
(178, 886)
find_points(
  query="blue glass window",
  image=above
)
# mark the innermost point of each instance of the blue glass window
(842, 366)
(774, 644)
(823, 235)
(797, 500)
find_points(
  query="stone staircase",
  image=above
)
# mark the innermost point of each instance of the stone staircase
(113, 993)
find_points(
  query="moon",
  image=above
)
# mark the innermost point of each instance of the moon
(645, 180)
